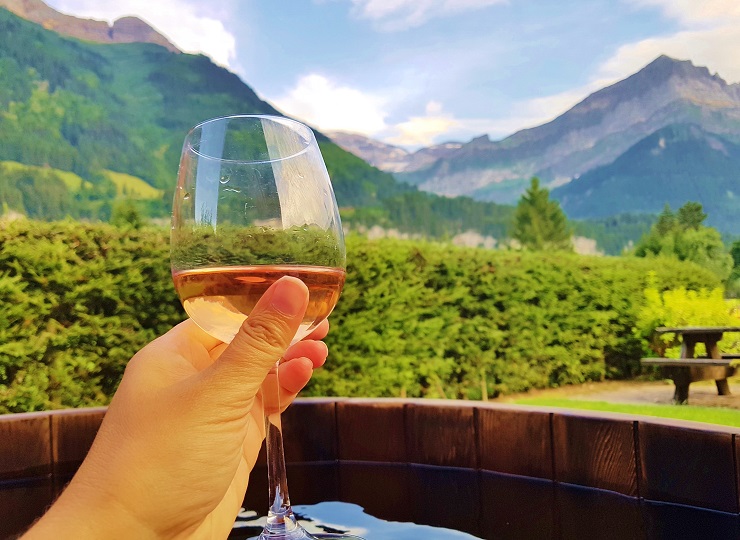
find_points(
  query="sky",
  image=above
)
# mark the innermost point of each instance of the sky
(419, 72)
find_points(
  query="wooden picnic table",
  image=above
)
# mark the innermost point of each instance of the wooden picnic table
(688, 368)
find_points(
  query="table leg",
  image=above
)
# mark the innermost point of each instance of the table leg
(681, 394)
(687, 346)
(682, 380)
(723, 388)
(713, 349)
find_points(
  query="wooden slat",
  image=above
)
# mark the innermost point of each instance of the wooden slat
(381, 489)
(516, 508)
(595, 452)
(697, 329)
(23, 503)
(687, 466)
(598, 514)
(25, 450)
(445, 497)
(515, 442)
(369, 430)
(73, 432)
(310, 431)
(441, 435)
(686, 362)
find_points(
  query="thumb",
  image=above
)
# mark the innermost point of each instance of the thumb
(261, 341)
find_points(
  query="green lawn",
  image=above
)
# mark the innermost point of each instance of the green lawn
(712, 415)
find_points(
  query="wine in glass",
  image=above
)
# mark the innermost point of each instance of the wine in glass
(254, 203)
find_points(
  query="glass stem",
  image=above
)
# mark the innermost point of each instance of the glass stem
(280, 518)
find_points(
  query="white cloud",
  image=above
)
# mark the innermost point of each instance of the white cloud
(716, 48)
(392, 15)
(692, 12)
(710, 36)
(418, 131)
(190, 26)
(329, 105)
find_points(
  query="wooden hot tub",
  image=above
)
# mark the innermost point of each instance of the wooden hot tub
(494, 471)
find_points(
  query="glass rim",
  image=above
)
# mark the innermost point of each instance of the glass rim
(298, 126)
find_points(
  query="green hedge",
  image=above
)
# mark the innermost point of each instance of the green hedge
(437, 321)
(416, 319)
(77, 301)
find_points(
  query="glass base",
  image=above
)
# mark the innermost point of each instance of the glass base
(302, 534)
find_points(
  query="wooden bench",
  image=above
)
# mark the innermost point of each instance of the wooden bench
(684, 371)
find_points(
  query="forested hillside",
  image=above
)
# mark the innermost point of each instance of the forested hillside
(113, 118)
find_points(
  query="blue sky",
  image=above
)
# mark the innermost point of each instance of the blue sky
(420, 72)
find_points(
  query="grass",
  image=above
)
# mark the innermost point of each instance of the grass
(711, 415)
(70, 179)
(132, 186)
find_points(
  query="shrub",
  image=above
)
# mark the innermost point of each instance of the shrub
(427, 320)
(417, 319)
(78, 300)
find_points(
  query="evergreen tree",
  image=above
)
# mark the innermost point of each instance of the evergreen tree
(539, 222)
(666, 221)
(691, 216)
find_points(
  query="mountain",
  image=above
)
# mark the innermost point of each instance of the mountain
(675, 164)
(387, 157)
(84, 125)
(102, 110)
(594, 132)
(123, 30)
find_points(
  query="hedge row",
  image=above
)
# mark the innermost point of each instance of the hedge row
(414, 319)
(437, 321)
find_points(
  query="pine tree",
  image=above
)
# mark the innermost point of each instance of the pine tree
(539, 222)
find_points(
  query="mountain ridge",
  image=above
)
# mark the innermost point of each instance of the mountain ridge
(592, 133)
(123, 30)
(673, 165)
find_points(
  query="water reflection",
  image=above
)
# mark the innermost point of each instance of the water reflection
(341, 517)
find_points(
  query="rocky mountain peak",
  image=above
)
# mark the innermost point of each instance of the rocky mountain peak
(665, 67)
(123, 30)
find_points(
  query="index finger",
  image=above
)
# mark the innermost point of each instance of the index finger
(319, 332)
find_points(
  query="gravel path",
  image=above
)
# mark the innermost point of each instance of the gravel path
(703, 394)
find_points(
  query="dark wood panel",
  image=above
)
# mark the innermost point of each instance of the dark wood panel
(687, 466)
(25, 446)
(674, 521)
(22, 503)
(443, 435)
(308, 483)
(371, 431)
(310, 431)
(597, 514)
(445, 497)
(73, 432)
(516, 508)
(595, 452)
(515, 442)
(382, 490)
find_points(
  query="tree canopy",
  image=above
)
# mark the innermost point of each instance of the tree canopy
(682, 235)
(539, 222)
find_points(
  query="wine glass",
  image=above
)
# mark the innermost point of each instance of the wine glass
(254, 203)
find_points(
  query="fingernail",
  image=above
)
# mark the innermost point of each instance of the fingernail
(289, 297)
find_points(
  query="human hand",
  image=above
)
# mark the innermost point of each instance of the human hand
(183, 431)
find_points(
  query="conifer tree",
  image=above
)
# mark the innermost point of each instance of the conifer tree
(539, 222)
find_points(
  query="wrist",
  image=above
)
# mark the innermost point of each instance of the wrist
(85, 512)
